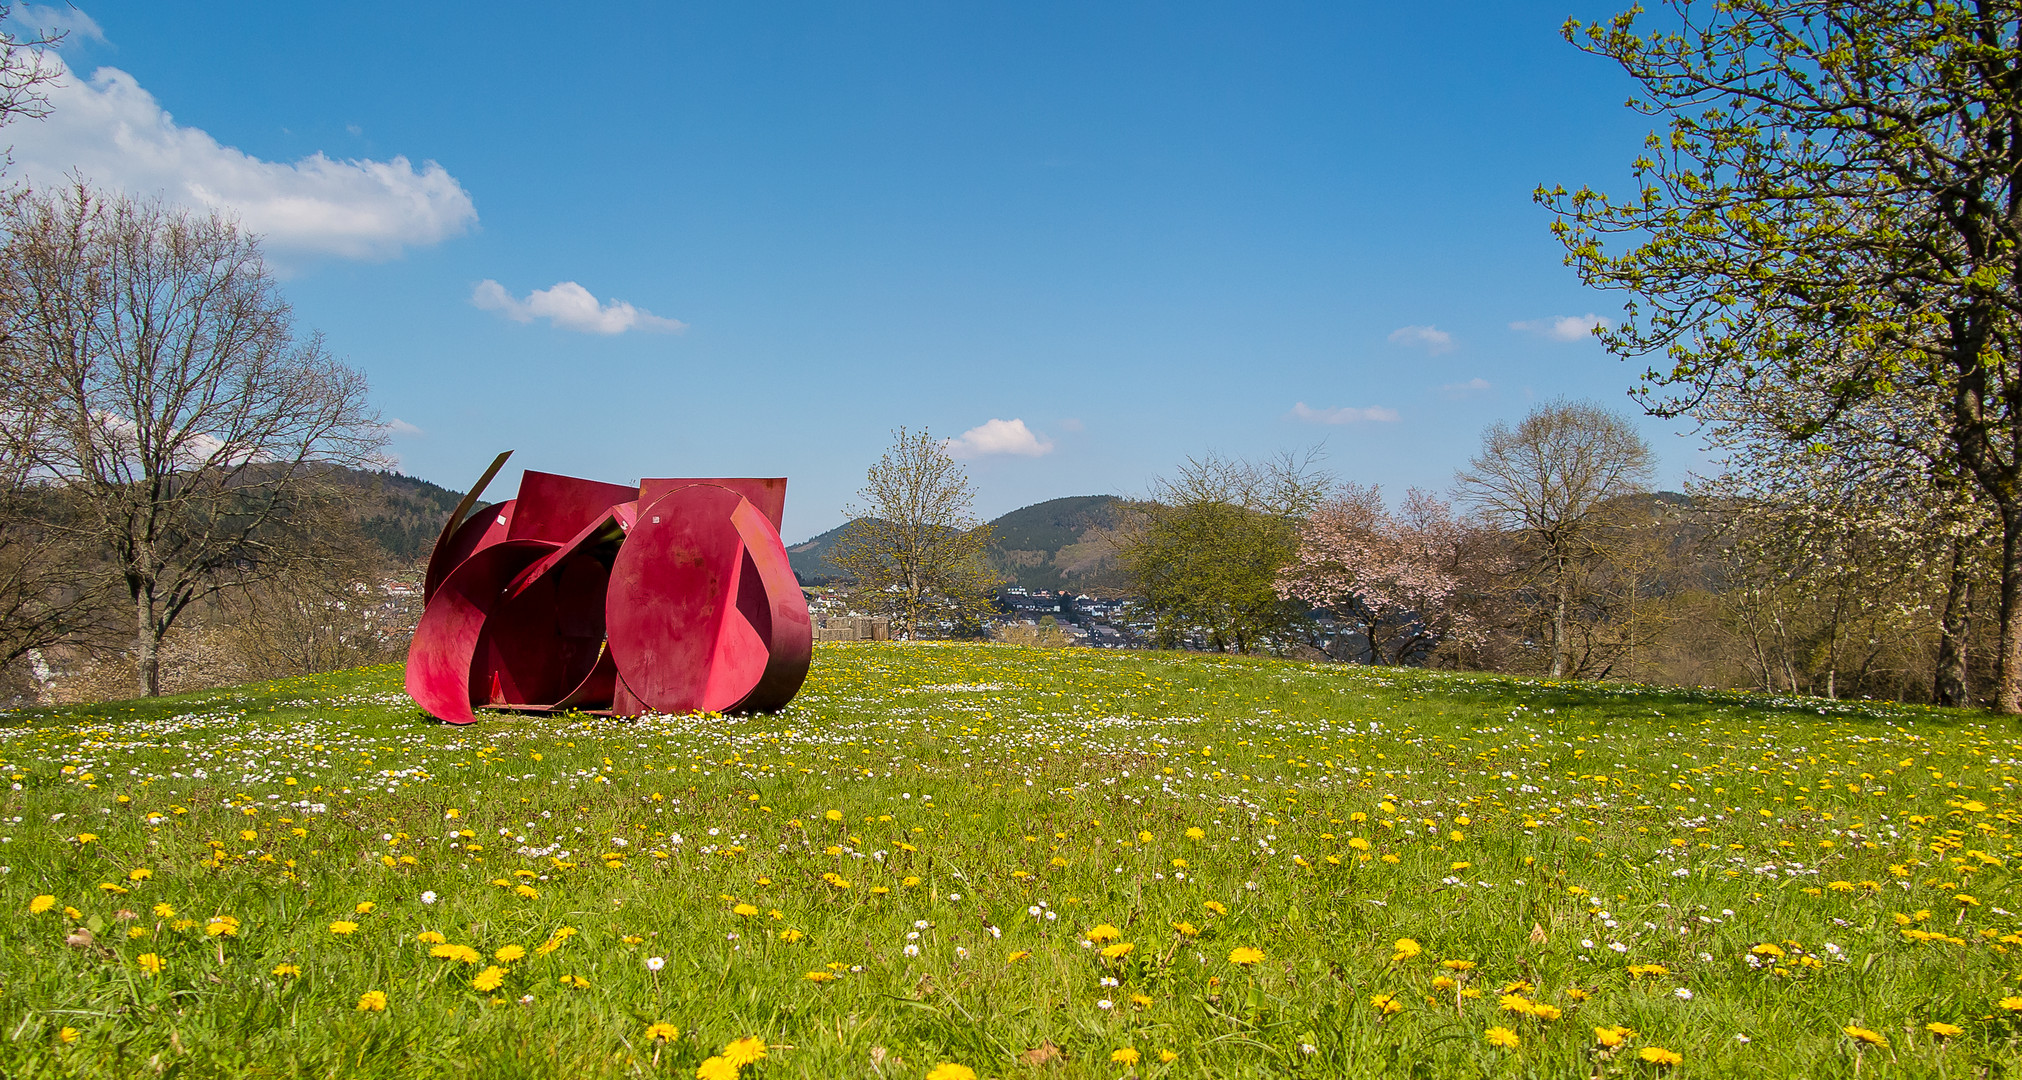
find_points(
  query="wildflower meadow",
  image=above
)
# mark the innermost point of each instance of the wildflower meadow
(959, 861)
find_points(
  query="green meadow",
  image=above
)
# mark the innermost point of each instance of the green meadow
(967, 860)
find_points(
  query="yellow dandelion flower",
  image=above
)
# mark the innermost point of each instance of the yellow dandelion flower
(372, 1001)
(286, 971)
(41, 904)
(1245, 956)
(1125, 1056)
(140, 873)
(576, 981)
(1118, 951)
(1018, 955)
(343, 926)
(1168, 1056)
(742, 1052)
(1406, 949)
(506, 954)
(1457, 965)
(1657, 1055)
(491, 978)
(1943, 1030)
(365, 907)
(715, 1068)
(948, 1070)
(164, 911)
(1386, 1003)
(68, 1034)
(1503, 1037)
(430, 937)
(1612, 1036)
(744, 910)
(1103, 932)
(150, 963)
(2010, 1004)
(1861, 1034)
(822, 976)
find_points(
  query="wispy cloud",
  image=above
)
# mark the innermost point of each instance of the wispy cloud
(401, 428)
(1562, 327)
(1377, 414)
(1476, 385)
(66, 20)
(571, 307)
(1430, 338)
(998, 437)
(114, 134)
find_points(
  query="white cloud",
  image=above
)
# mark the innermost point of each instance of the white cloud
(401, 428)
(571, 307)
(1431, 338)
(66, 20)
(1378, 414)
(1476, 385)
(1562, 327)
(998, 437)
(114, 134)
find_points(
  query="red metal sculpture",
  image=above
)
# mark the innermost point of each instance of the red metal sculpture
(674, 596)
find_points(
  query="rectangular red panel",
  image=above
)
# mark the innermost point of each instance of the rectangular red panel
(556, 508)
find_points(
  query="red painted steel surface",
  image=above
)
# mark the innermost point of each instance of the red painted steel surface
(439, 662)
(674, 596)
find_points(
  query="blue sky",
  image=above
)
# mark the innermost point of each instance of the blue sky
(1086, 241)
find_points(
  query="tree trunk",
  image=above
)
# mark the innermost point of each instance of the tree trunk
(1559, 629)
(2008, 697)
(147, 647)
(1950, 686)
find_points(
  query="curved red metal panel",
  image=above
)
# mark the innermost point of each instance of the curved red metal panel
(543, 645)
(481, 530)
(680, 642)
(446, 639)
(789, 633)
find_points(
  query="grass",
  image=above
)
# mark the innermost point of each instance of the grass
(905, 869)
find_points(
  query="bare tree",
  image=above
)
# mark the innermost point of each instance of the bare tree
(1551, 481)
(47, 596)
(915, 550)
(164, 392)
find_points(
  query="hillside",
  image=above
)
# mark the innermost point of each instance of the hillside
(1058, 544)
(402, 514)
(809, 558)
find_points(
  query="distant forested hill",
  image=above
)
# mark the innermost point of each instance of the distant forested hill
(402, 514)
(1058, 544)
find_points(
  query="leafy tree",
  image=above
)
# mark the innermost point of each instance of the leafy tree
(1205, 551)
(1835, 201)
(915, 550)
(1556, 482)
